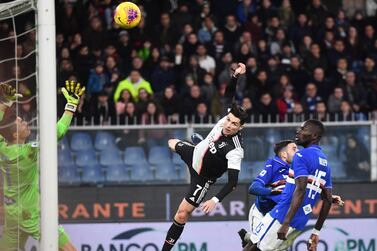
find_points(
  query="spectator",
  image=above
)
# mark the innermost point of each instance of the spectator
(219, 46)
(133, 83)
(298, 114)
(124, 98)
(165, 33)
(357, 159)
(171, 103)
(208, 89)
(254, 27)
(95, 36)
(205, 61)
(162, 76)
(97, 79)
(372, 97)
(300, 29)
(335, 100)
(368, 72)
(339, 75)
(311, 98)
(206, 32)
(286, 14)
(276, 45)
(298, 76)
(324, 86)
(103, 109)
(244, 9)
(143, 98)
(266, 11)
(315, 59)
(285, 103)
(201, 114)
(283, 83)
(82, 64)
(354, 93)
(191, 102)
(152, 137)
(336, 53)
(321, 111)
(259, 86)
(194, 70)
(232, 30)
(130, 115)
(267, 109)
(247, 105)
(317, 12)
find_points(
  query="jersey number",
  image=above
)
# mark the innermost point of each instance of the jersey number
(198, 188)
(316, 183)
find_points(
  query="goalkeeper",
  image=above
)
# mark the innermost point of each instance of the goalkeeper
(19, 166)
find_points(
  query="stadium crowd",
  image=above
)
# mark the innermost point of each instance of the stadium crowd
(304, 59)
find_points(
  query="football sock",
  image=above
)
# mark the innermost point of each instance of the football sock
(172, 236)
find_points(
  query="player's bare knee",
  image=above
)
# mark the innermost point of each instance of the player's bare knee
(182, 216)
(172, 143)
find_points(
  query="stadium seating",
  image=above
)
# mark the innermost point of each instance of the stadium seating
(65, 158)
(110, 157)
(141, 173)
(166, 172)
(116, 174)
(69, 175)
(92, 175)
(104, 141)
(86, 158)
(134, 155)
(81, 141)
(158, 155)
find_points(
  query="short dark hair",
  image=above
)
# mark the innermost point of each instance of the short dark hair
(278, 147)
(7, 127)
(238, 112)
(318, 125)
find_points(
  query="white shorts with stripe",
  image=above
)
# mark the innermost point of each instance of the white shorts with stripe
(267, 237)
(255, 217)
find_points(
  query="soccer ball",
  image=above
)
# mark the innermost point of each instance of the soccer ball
(127, 15)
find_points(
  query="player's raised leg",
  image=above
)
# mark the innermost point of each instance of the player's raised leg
(181, 217)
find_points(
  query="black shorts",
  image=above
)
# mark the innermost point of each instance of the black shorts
(199, 185)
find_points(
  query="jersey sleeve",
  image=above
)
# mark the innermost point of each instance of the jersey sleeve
(265, 176)
(300, 165)
(63, 125)
(234, 158)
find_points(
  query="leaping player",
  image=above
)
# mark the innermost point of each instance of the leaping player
(221, 151)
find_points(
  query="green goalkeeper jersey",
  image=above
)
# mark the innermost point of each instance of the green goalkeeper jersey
(20, 170)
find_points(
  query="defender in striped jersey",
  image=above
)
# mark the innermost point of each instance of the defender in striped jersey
(221, 151)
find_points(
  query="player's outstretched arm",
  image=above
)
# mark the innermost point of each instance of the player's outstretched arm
(72, 93)
(231, 88)
(327, 200)
(209, 205)
(297, 199)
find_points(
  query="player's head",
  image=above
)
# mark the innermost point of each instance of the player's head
(286, 149)
(14, 129)
(310, 132)
(234, 120)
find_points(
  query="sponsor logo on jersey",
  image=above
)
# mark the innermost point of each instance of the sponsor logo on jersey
(322, 162)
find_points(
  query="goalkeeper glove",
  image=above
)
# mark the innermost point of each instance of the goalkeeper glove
(8, 95)
(72, 93)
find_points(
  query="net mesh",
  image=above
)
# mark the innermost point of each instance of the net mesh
(19, 153)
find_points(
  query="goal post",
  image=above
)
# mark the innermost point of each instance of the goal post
(47, 123)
